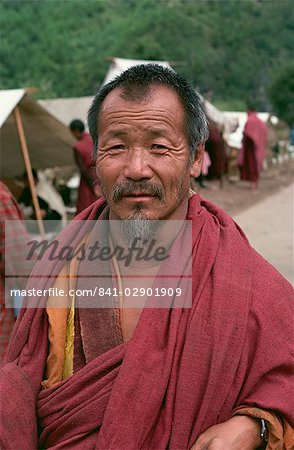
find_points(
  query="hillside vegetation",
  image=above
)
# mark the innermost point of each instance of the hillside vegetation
(230, 48)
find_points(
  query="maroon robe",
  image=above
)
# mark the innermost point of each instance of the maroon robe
(215, 146)
(183, 371)
(252, 153)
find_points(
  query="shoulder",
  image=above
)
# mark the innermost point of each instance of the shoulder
(86, 139)
(84, 143)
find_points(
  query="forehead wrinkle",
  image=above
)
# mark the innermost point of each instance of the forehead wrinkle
(116, 133)
(120, 117)
(111, 110)
(156, 132)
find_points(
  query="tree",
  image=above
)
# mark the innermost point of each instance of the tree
(61, 47)
(281, 93)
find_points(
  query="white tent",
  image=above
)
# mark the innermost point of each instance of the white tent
(225, 123)
(234, 139)
(68, 109)
(8, 100)
(49, 141)
(30, 136)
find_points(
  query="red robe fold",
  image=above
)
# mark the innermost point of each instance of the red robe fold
(184, 369)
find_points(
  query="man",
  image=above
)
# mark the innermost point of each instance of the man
(252, 153)
(213, 374)
(89, 188)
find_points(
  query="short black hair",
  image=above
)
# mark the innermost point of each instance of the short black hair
(136, 83)
(77, 124)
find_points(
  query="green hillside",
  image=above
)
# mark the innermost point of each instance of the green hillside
(232, 48)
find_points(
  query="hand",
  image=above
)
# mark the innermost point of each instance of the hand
(237, 433)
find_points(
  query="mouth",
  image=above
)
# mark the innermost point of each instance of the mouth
(139, 196)
(137, 192)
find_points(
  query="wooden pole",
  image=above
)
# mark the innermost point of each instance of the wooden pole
(28, 167)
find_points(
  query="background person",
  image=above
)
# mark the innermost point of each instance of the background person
(253, 150)
(216, 148)
(89, 189)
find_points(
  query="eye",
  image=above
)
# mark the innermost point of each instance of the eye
(159, 147)
(117, 147)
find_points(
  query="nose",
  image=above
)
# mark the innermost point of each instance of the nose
(137, 166)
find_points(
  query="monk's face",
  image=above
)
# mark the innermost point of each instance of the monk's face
(143, 156)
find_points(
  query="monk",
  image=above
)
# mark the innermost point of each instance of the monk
(89, 188)
(252, 153)
(216, 148)
(203, 360)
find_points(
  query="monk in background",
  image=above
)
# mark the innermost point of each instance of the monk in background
(251, 157)
(89, 189)
(216, 149)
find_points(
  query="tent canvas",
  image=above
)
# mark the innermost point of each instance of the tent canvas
(49, 141)
(8, 101)
(234, 139)
(68, 109)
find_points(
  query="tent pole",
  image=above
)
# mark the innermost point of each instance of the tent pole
(28, 167)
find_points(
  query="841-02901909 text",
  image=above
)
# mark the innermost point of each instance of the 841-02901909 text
(101, 292)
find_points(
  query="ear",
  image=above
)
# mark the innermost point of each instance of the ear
(97, 169)
(196, 167)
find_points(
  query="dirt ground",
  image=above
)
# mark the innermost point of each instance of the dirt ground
(235, 196)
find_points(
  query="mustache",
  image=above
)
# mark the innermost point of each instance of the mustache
(131, 187)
